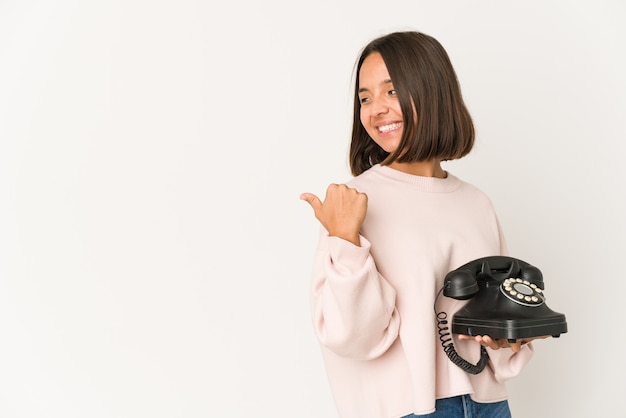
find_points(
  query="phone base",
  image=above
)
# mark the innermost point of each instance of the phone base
(510, 329)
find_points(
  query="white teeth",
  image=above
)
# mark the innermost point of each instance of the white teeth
(387, 128)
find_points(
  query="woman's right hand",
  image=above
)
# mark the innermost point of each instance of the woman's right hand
(341, 213)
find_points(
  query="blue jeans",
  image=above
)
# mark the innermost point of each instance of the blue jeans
(464, 407)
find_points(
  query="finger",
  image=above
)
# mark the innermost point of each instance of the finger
(312, 200)
(490, 342)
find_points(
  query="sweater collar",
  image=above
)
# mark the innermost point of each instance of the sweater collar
(425, 184)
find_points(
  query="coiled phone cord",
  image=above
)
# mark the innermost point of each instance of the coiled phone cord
(448, 346)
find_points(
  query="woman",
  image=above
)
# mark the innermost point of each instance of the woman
(390, 235)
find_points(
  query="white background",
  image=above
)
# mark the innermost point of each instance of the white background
(154, 254)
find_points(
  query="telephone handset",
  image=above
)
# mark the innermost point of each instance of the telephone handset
(507, 302)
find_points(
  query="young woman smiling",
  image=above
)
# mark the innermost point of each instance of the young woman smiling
(390, 235)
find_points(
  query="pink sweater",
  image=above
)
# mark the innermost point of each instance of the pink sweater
(372, 305)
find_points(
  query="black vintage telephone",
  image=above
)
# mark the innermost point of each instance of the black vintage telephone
(507, 303)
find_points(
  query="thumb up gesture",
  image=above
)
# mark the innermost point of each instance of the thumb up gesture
(341, 213)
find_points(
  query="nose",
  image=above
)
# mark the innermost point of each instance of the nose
(379, 106)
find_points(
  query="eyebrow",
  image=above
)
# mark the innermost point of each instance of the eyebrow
(387, 81)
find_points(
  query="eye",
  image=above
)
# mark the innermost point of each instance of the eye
(364, 100)
(392, 92)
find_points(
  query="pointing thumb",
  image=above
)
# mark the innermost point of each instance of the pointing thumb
(312, 200)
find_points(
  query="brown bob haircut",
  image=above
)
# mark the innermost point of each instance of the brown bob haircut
(424, 79)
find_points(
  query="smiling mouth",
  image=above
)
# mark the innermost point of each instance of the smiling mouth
(390, 127)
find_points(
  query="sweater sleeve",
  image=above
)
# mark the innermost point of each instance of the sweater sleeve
(353, 306)
(506, 364)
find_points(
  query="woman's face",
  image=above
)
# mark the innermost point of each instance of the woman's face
(381, 115)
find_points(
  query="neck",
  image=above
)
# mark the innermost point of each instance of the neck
(430, 168)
